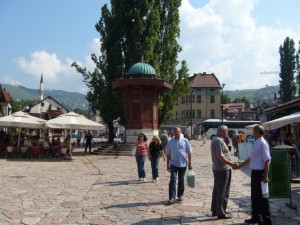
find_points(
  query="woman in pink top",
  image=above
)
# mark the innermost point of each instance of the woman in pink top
(142, 152)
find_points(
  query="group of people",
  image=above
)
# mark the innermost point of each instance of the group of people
(178, 154)
(177, 151)
(259, 163)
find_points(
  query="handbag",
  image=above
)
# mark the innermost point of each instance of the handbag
(133, 151)
(190, 179)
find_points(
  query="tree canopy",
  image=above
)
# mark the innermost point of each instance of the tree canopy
(132, 31)
(287, 83)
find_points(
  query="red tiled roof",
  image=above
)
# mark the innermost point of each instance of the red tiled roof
(6, 96)
(204, 80)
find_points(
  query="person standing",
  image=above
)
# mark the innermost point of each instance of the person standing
(259, 163)
(142, 152)
(156, 150)
(221, 166)
(164, 140)
(179, 156)
(88, 141)
(78, 137)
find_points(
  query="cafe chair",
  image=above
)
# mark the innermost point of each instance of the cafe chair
(36, 150)
(10, 151)
(63, 152)
(23, 152)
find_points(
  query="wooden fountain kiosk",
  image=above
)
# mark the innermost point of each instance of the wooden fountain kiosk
(141, 88)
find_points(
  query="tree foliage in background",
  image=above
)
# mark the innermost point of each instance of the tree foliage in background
(287, 83)
(132, 31)
(226, 99)
(298, 68)
(243, 100)
(19, 105)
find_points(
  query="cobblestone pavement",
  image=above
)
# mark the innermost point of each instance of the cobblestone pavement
(94, 189)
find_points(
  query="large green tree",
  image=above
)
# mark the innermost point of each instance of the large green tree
(132, 31)
(287, 85)
(298, 68)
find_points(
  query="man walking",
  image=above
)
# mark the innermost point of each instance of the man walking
(259, 163)
(221, 166)
(179, 157)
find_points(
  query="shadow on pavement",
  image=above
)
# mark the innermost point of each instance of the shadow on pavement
(181, 220)
(132, 205)
(119, 183)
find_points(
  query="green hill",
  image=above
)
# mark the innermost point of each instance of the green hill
(262, 94)
(71, 100)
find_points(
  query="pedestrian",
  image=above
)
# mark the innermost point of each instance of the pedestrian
(142, 152)
(259, 164)
(156, 151)
(241, 137)
(78, 137)
(88, 141)
(235, 141)
(204, 137)
(179, 156)
(164, 140)
(221, 166)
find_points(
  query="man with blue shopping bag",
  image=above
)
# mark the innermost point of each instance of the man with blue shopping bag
(179, 157)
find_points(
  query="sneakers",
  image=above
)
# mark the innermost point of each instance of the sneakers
(171, 202)
(155, 180)
(180, 199)
(143, 179)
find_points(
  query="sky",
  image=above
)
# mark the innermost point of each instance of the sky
(234, 39)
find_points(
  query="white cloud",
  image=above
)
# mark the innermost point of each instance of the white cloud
(224, 38)
(9, 80)
(43, 62)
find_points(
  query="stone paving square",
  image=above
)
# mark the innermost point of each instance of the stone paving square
(94, 189)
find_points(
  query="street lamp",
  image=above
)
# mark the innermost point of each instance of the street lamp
(191, 113)
(222, 103)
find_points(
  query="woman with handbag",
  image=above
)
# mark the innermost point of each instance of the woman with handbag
(142, 152)
(155, 154)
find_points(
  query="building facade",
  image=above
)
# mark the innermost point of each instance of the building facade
(203, 102)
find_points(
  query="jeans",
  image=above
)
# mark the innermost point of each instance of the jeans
(172, 185)
(154, 166)
(140, 161)
(88, 144)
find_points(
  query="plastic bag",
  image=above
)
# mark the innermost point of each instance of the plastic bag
(133, 151)
(190, 179)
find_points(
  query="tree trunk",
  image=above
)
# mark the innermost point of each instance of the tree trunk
(111, 134)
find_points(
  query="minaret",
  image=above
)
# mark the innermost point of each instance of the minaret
(41, 88)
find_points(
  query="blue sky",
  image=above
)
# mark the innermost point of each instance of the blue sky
(235, 39)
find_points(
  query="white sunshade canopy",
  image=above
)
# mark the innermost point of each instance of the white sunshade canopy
(21, 120)
(73, 121)
(283, 121)
(250, 127)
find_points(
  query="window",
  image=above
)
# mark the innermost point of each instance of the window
(212, 99)
(199, 113)
(198, 98)
(212, 89)
(198, 89)
(182, 99)
(212, 113)
(183, 114)
(193, 98)
(176, 115)
(187, 114)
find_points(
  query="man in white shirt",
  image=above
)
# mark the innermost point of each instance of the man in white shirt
(259, 163)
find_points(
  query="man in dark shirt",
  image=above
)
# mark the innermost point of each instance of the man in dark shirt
(88, 141)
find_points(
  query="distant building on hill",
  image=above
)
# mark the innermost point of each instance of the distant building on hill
(203, 102)
(5, 107)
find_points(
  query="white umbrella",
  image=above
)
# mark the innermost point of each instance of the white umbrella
(21, 120)
(73, 121)
(283, 121)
